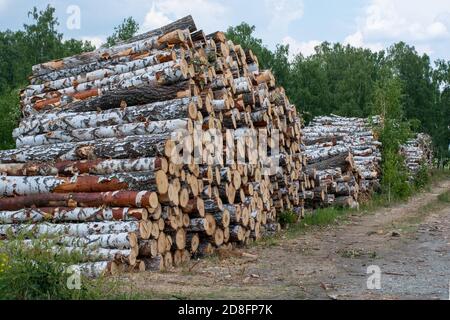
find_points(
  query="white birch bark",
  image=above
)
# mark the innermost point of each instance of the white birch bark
(70, 229)
(64, 121)
(124, 130)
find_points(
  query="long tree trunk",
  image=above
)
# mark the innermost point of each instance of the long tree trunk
(11, 186)
(134, 199)
(60, 214)
(122, 80)
(83, 69)
(138, 95)
(114, 148)
(127, 256)
(95, 167)
(120, 241)
(66, 121)
(125, 130)
(134, 47)
(71, 229)
(72, 77)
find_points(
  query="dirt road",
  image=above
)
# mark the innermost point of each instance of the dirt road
(409, 243)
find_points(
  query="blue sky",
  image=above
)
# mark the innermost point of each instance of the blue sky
(303, 24)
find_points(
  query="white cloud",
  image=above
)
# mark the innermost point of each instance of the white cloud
(282, 13)
(97, 41)
(414, 21)
(357, 40)
(208, 14)
(305, 48)
(154, 19)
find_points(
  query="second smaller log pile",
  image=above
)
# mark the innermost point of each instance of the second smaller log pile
(343, 159)
(418, 153)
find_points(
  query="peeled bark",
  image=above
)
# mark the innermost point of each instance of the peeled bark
(11, 186)
(134, 199)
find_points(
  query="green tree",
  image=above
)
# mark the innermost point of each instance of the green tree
(387, 101)
(419, 92)
(126, 30)
(441, 79)
(38, 42)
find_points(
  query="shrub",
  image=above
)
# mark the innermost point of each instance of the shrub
(287, 217)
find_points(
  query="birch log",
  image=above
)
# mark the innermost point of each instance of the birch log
(74, 229)
(134, 199)
(96, 269)
(127, 256)
(79, 75)
(11, 186)
(98, 55)
(121, 80)
(114, 148)
(125, 130)
(60, 214)
(65, 121)
(93, 67)
(121, 241)
(95, 167)
(143, 94)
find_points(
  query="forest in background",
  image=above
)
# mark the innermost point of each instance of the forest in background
(408, 89)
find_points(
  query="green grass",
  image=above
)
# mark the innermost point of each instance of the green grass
(35, 273)
(324, 217)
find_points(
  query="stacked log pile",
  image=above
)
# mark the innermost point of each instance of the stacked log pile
(97, 167)
(418, 152)
(343, 157)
